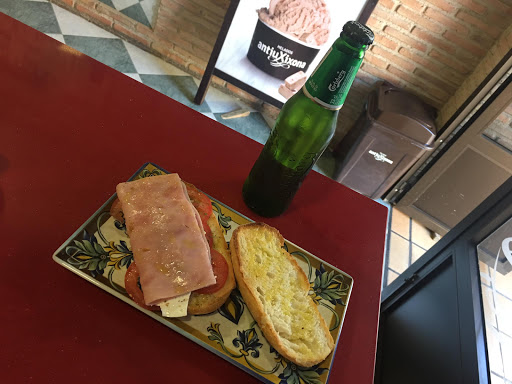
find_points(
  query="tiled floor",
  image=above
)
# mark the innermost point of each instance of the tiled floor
(407, 239)
(142, 11)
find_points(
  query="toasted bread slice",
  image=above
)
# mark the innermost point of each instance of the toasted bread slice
(200, 304)
(275, 290)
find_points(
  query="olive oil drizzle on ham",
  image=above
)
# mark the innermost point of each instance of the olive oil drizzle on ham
(167, 237)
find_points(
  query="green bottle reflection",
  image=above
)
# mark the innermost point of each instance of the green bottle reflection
(305, 125)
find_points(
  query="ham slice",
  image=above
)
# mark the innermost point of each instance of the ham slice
(167, 237)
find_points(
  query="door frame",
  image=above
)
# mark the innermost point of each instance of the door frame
(459, 248)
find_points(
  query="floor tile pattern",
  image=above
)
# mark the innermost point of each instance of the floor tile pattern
(408, 241)
(36, 14)
(180, 88)
(138, 10)
(111, 52)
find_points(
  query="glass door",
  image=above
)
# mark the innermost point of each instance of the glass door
(497, 298)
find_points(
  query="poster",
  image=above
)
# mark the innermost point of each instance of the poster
(258, 52)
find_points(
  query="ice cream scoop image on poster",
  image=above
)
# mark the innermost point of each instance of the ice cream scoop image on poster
(306, 20)
(288, 36)
(274, 45)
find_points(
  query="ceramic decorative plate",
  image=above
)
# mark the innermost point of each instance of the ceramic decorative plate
(99, 251)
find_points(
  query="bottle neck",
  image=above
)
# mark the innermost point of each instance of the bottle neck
(329, 84)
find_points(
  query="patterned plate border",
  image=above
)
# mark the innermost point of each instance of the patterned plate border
(330, 289)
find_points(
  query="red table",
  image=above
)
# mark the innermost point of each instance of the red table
(71, 129)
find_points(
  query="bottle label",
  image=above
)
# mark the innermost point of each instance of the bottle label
(331, 80)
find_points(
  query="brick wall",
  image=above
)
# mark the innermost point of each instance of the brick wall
(192, 26)
(486, 65)
(429, 47)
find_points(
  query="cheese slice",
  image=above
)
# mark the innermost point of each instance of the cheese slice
(175, 307)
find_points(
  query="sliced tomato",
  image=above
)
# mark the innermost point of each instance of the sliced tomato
(209, 235)
(220, 270)
(132, 286)
(201, 202)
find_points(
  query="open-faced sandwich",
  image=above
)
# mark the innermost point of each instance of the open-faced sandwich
(181, 261)
(276, 291)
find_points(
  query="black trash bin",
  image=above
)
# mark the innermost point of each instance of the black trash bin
(392, 133)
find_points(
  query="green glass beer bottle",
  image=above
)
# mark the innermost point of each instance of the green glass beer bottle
(305, 125)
